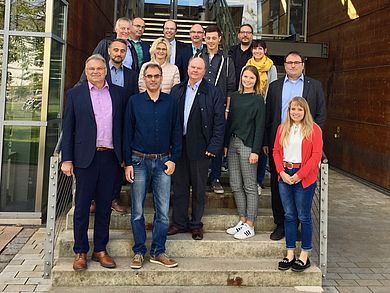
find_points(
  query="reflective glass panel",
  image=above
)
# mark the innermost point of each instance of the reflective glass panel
(297, 12)
(28, 15)
(274, 17)
(55, 80)
(19, 168)
(2, 9)
(1, 57)
(24, 78)
(58, 18)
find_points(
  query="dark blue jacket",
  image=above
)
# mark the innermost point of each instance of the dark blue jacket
(211, 102)
(79, 126)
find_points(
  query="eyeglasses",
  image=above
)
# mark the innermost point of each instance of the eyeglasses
(151, 76)
(196, 32)
(95, 68)
(293, 62)
(139, 26)
(245, 33)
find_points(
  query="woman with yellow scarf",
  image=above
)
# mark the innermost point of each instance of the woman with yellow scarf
(268, 74)
(264, 65)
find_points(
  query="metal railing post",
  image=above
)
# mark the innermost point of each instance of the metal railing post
(51, 217)
(323, 253)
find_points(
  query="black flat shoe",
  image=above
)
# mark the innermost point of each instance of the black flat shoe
(299, 266)
(285, 264)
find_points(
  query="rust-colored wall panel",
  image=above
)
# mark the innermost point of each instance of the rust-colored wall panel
(88, 22)
(356, 80)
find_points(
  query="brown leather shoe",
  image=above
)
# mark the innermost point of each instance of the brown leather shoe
(92, 208)
(104, 258)
(172, 230)
(80, 262)
(116, 206)
(197, 233)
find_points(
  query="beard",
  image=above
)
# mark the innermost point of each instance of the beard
(245, 42)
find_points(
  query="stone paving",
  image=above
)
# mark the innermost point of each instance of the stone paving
(358, 247)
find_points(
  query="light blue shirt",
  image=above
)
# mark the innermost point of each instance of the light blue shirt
(291, 89)
(128, 62)
(194, 49)
(173, 52)
(117, 77)
(189, 100)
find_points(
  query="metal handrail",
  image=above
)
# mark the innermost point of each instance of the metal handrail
(60, 194)
(219, 11)
(320, 216)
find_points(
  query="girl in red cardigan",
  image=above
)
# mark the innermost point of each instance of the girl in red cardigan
(297, 153)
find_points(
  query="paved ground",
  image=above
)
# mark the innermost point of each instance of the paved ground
(358, 249)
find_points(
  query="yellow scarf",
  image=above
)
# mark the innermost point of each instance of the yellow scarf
(263, 66)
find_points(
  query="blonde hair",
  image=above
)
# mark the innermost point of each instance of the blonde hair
(306, 123)
(256, 86)
(153, 49)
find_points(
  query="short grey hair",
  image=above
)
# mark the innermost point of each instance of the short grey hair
(96, 57)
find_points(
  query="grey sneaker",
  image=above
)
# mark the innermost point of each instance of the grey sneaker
(217, 187)
(137, 261)
(164, 260)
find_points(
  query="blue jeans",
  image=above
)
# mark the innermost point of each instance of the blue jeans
(297, 203)
(146, 172)
(216, 164)
(261, 167)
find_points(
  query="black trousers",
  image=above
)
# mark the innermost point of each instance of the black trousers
(189, 173)
(277, 207)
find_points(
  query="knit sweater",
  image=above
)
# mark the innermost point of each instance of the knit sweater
(246, 120)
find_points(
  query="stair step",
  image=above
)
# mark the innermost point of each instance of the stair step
(212, 200)
(190, 272)
(218, 219)
(214, 244)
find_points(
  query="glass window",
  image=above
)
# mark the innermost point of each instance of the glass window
(2, 9)
(1, 57)
(24, 78)
(274, 17)
(19, 168)
(55, 80)
(297, 17)
(58, 18)
(28, 15)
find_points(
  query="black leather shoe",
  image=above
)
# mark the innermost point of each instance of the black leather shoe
(197, 234)
(299, 266)
(285, 264)
(172, 230)
(278, 233)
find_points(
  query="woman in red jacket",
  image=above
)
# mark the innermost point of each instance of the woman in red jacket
(297, 153)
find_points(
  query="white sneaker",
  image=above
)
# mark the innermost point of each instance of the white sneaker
(259, 189)
(246, 232)
(235, 229)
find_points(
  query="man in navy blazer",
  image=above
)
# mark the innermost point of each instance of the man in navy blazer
(92, 151)
(140, 49)
(280, 92)
(180, 52)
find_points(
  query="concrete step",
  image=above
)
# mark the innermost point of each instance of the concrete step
(212, 200)
(214, 244)
(190, 272)
(218, 219)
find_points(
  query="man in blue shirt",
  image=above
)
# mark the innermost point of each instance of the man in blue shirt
(152, 146)
(280, 92)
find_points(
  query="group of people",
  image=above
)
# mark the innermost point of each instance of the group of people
(167, 114)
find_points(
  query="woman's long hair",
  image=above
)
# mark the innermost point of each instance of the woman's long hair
(256, 87)
(153, 49)
(306, 123)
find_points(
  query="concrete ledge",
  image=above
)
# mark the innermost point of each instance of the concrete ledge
(190, 272)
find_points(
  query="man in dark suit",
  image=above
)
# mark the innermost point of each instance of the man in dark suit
(180, 52)
(201, 110)
(92, 151)
(139, 48)
(127, 79)
(280, 92)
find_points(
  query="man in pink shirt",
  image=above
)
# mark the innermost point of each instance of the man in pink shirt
(92, 151)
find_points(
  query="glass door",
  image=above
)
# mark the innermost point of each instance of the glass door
(174, 9)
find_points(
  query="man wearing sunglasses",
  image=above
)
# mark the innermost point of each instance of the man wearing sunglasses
(280, 92)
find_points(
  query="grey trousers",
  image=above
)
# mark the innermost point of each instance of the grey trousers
(242, 177)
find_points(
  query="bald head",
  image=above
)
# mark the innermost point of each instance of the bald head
(196, 70)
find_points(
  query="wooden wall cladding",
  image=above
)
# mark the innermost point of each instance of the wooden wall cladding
(356, 80)
(88, 22)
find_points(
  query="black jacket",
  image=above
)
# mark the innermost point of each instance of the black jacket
(183, 55)
(211, 103)
(312, 92)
